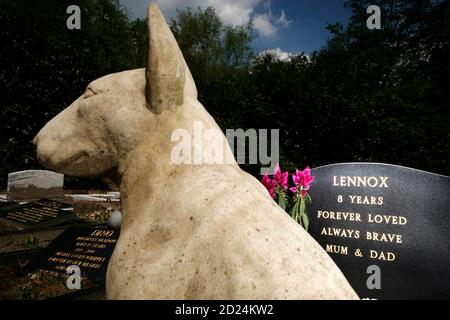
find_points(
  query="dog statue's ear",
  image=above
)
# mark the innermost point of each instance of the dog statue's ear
(168, 77)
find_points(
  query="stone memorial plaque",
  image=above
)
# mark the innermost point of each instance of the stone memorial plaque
(88, 248)
(392, 217)
(34, 184)
(37, 214)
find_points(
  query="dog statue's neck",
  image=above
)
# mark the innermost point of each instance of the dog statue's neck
(148, 169)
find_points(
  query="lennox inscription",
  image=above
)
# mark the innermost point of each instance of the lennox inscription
(396, 218)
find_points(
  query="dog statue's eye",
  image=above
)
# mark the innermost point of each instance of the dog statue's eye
(89, 93)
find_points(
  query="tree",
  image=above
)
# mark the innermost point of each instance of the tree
(395, 79)
(44, 66)
(368, 95)
(218, 57)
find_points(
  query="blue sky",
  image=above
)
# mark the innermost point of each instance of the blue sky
(291, 26)
(307, 30)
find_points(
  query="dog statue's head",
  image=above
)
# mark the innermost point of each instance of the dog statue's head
(109, 119)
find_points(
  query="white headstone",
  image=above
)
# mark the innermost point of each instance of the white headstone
(35, 184)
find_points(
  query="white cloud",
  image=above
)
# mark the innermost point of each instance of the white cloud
(268, 25)
(263, 23)
(234, 12)
(280, 55)
(283, 21)
(277, 53)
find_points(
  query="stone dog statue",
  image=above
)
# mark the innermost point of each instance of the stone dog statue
(189, 231)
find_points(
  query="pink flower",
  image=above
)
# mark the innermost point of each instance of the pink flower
(295, 189)
(303, 180)
(281, 178)
(269, 184)
(279, 181)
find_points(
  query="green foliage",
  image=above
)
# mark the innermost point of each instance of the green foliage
(368, 95)
(281, 198)
(218, 57)
(298, 210)
(389, 85)
(207, 43)
(44, 67)
(32, 243)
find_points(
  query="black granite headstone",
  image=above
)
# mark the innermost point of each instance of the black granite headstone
(393, 217)
(89, 248)
(37, 214)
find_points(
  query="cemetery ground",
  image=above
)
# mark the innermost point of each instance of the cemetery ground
(44, 229)
(21, 245)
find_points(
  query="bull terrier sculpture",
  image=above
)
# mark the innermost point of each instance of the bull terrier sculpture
(189, 231)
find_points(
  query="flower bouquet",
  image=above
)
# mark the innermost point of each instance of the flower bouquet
(294, 199)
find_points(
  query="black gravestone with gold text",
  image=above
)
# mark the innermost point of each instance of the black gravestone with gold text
(89, 248)
(37, 214)
(393, 217)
